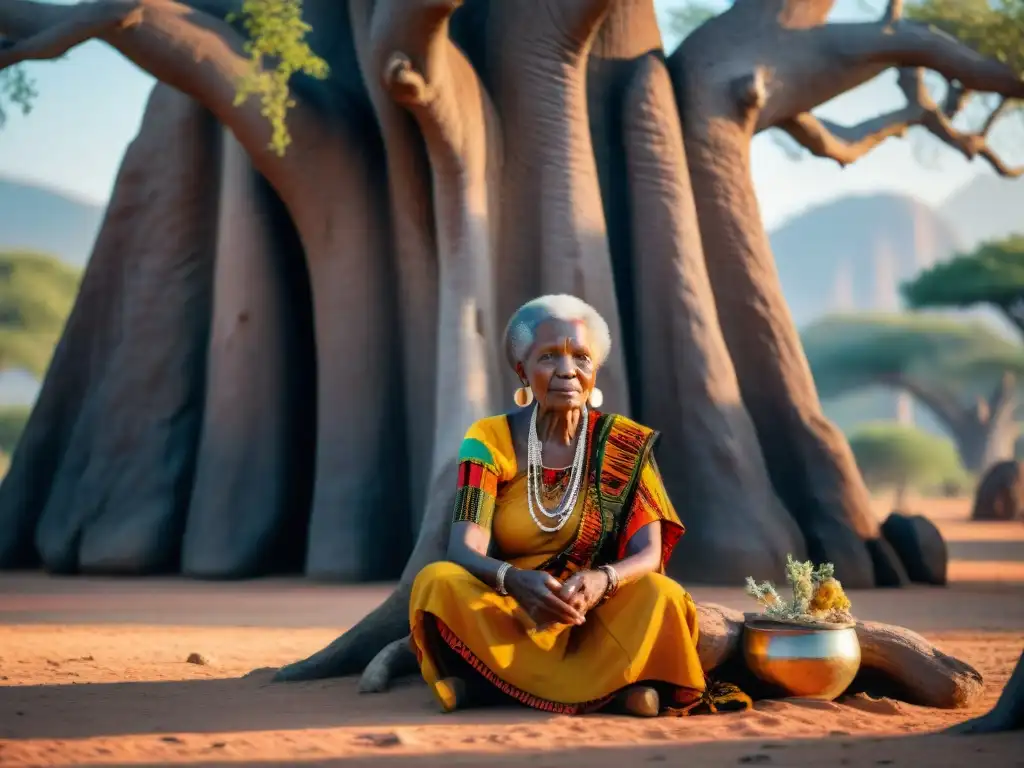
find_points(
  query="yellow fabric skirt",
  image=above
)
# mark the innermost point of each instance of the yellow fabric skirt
(645, 633)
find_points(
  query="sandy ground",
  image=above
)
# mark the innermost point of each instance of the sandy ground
(94, 672)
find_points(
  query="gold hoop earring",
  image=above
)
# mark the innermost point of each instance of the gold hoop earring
(523, 396)
(596, 397)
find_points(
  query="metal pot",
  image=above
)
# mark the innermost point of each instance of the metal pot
(808, 662)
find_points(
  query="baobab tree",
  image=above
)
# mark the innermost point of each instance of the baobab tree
(271, 326)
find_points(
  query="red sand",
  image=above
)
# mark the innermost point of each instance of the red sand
(94, 672)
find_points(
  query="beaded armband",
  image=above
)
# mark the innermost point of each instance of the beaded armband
(475, 497)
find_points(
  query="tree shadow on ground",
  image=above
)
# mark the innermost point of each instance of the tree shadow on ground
(933, 750)
(249, 703)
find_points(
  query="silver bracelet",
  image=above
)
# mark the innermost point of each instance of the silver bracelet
(499, 578)
(613, 580)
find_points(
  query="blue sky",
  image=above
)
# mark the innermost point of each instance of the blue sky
(91, 102)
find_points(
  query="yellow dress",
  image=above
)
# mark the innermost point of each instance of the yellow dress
(646, 632)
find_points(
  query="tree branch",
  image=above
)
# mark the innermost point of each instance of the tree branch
(81, 24)
(189, 49)
(427, 74)
(939, 122)
(908, 44)
(846, 144)
(994, 116)
(833, 58)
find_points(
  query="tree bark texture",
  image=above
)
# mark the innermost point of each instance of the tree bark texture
(101, 481)
(254, 449)
(330, 319)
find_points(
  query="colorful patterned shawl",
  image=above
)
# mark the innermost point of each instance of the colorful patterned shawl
(624, 490)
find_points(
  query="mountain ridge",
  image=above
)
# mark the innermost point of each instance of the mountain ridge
(34, 217)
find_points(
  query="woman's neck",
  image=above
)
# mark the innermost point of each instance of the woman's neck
(558, 427)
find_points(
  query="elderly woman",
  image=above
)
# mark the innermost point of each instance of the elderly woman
(553, 592)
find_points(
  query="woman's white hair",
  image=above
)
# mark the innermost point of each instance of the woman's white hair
(522, 327)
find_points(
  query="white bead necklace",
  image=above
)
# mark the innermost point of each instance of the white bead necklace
(534, 477)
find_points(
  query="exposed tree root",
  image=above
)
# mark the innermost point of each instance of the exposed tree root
(894, 660)
(395, 661)
(1007, 714)
(354, 650)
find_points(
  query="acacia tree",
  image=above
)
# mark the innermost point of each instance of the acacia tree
(992, 275)
(452, 160)
(899, 457)
(964, 372)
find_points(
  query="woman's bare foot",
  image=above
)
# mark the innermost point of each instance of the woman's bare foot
(641, 701)
(451, 693)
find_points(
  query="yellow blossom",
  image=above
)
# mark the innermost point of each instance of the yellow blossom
(828, 597)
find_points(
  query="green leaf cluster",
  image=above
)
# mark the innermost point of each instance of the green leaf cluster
(37, 292)
(277, 49)
(993, 274)
(890, 454)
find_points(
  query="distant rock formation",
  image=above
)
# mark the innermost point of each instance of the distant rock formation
(852, 253)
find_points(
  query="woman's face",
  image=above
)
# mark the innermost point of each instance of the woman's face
(560, 368)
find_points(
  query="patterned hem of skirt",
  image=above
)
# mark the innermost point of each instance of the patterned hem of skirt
(680, 702)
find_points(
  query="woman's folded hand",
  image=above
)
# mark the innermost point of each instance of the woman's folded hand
(584, 590)
(537, 593)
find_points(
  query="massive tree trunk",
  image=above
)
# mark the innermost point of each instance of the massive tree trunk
(710, 456)
(460, 159)
(415, 252)
(101, 481)
(810, 464)
(256, 444)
